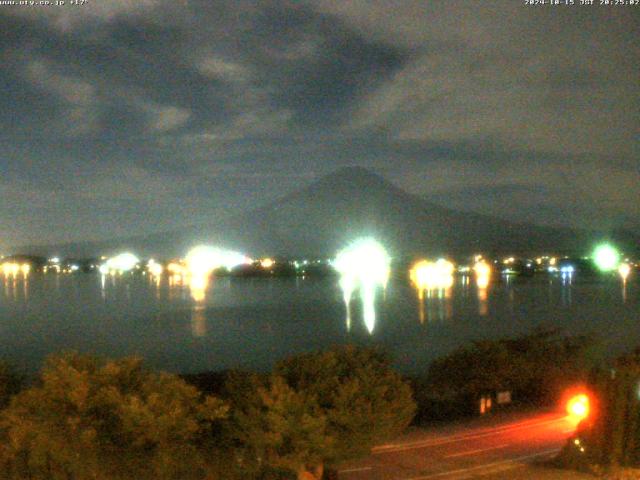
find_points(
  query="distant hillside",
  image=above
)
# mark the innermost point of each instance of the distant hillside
(351, 202)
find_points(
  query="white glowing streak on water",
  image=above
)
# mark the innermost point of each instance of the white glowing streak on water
(347, 284)
(198, 287)
(368, 293)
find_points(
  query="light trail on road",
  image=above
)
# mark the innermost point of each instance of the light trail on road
(464, 451)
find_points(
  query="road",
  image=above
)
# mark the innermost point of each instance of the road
(481, 447)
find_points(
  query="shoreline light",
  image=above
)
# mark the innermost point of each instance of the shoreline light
(121, 263)
(606, 257)
(13, 269)
(203, 259)
(483, 274)
(267, 263)
(363, 265)
(427, 275)
(154, 268)
(624, 270)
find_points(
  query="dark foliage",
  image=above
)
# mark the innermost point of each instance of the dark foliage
(535, 368)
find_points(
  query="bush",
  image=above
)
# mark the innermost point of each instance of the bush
(10, 383)
(366, 402)
(536, 368)
(316, 408)
(94, 419)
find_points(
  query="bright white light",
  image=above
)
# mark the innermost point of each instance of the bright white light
(230, 259)
(365, 265)
(203, 259)
(13, 269)
(607, 258)
(369, 306)
(624, 270)
(567, 269)
(120, 263)
(365, 260)
(154, 268)
(483, 274)
(198, 287)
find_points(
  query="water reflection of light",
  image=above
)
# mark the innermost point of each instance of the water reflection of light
(363, 265)
(200, 264)
(176, 269)
(16, 280)
(566, 295)
(421, 309)
(483, 277)
(14, 288)
(198, 321)
(25, 287)
(368, 305)
(483, 304)
(624, 270)
(566, 276)
(465, 281)
(483, 273)
(154, 268)
(347, 284)
(198, 287)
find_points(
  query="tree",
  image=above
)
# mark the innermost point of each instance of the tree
(274, 429)
(364, 400)
(314, 409)
(616, 430)
(10, 383)
(536, 367)
(94, 419)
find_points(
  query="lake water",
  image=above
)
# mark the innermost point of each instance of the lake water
(251, 323)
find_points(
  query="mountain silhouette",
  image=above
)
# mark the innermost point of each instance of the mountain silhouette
(320, 218)
(354, 202)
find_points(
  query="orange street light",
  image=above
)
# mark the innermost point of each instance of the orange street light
(578, 407)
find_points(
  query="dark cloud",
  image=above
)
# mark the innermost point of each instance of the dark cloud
(131, 117)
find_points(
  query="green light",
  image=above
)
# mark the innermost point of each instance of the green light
(606, 257)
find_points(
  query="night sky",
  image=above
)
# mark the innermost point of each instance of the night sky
(123, 117)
